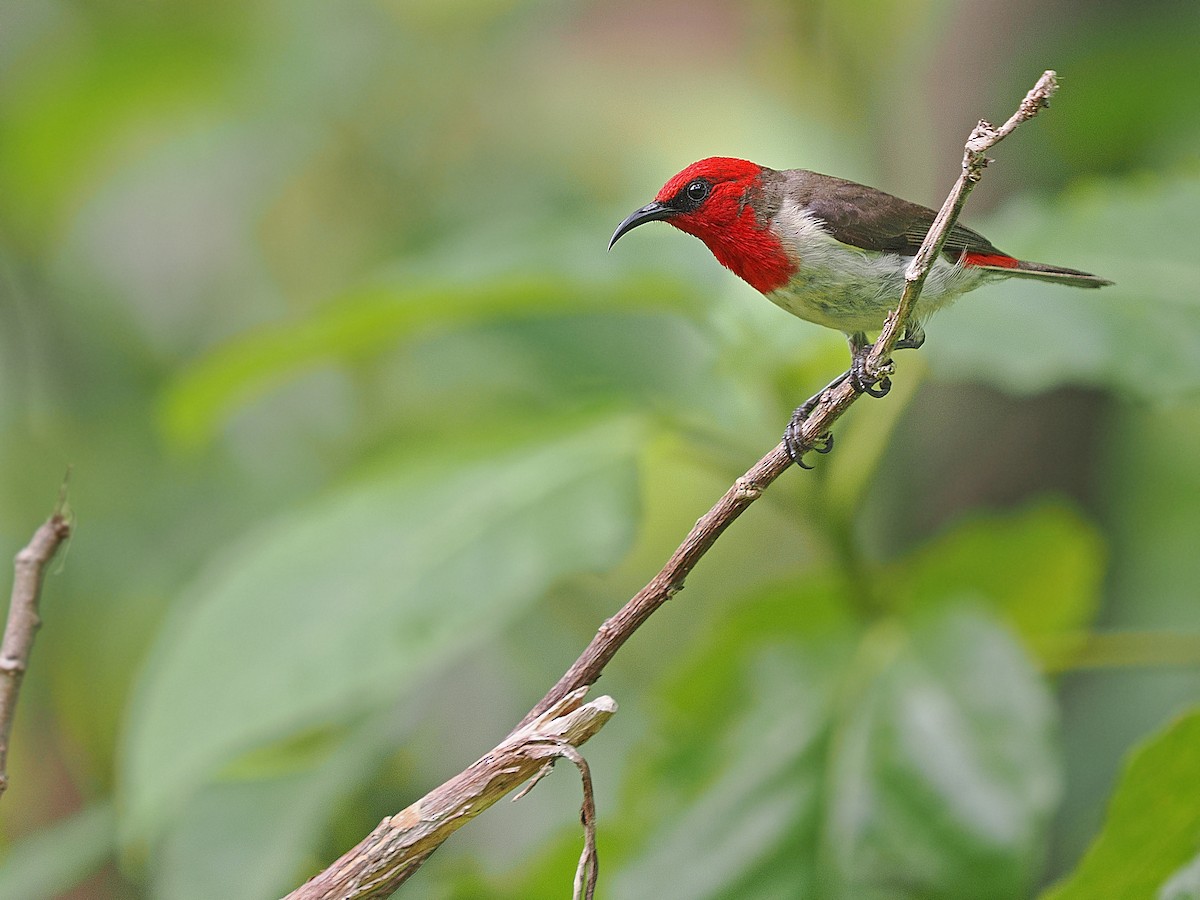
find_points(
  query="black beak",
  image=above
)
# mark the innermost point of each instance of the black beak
(651, 212)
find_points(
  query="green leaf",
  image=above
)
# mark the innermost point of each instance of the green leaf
(746, 816)
(243, 839)
(56, 859)
(80, 99)
(1151, 837)
(1184, 884)
(1040, 567)
(1140, 336)
(943, 766)
(918, 761)
(238, 841)
(366, 321)
(330, 613)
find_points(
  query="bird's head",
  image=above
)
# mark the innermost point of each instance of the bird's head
(714, 199)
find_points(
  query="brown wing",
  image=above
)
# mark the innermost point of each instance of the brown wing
(864, 217)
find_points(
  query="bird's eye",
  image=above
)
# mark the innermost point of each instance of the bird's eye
(697, 190)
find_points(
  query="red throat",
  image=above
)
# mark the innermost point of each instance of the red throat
(728, 224)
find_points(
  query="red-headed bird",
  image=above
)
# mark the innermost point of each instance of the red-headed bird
(829, 250)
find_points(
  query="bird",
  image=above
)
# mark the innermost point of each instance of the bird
(831, 251)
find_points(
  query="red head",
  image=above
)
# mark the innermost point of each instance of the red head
(714, 200)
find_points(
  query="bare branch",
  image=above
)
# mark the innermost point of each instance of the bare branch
(23, 622)
(399, 846)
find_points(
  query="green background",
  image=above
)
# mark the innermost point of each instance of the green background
(368, 433)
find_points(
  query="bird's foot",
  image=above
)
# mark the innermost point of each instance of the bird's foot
(870, 383)
(914, 337)
(793, 441)
(793, 435)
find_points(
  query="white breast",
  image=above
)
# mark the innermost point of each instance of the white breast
(850, 289)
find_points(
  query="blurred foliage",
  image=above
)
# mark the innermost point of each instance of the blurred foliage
(368, 435)
(1140, 854)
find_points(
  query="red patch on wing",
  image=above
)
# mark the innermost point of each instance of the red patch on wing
(999, 260)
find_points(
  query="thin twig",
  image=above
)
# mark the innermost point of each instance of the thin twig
(984, 137)
(23, 622)
(588, 870)
(399, 858)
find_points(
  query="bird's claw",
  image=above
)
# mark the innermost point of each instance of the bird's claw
(793, 442)
(796, 448)
(914, 337)
(793, 435)
(870, 384)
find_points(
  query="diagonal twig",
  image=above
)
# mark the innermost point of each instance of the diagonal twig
(984, 137)
(399, 858)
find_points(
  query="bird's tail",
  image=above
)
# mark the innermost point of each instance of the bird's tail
(1019, 268)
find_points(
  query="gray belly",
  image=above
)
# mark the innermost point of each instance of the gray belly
(851, 302)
